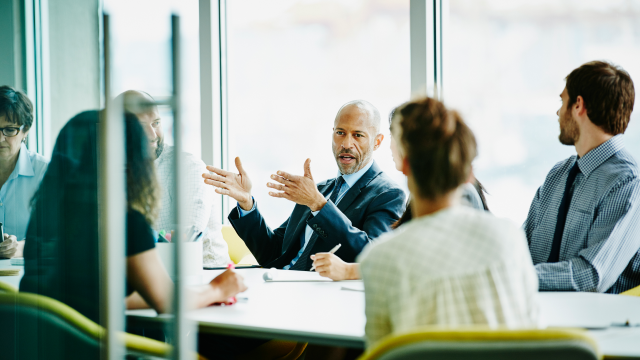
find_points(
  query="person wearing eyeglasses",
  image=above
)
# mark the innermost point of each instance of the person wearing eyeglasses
(21, 170)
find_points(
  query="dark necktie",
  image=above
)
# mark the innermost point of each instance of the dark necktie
(554, 256)
(303, 260)
(336, 189)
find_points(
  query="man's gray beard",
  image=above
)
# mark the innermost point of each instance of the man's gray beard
(357, 167)
(159, 148)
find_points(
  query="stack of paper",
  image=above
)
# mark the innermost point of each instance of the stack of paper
(9, 272)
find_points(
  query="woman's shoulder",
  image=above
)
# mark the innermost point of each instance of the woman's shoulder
(135, 217)
(496, 233)
(139, 233)
(38, 162)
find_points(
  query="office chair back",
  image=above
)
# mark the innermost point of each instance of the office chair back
(31, 333)
(238, 251)
(5, 287)
(437, 344)
(37, 327)
(632, 292)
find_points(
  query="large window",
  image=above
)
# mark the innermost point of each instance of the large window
(505, 68)
(291, 65)
(141, 34)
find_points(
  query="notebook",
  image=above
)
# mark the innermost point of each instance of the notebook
(274, 275)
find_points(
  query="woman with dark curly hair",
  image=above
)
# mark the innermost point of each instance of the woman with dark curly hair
(62, 253)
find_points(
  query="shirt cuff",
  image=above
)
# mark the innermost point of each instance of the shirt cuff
(245, 212)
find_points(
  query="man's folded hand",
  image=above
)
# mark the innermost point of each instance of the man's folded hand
(9, 246)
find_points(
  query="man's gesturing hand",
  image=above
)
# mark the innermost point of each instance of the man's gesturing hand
(238, 186)
(299, 189)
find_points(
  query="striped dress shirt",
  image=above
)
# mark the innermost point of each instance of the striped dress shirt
(600, 244)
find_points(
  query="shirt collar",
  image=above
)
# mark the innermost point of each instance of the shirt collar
(353, 178)
(24, 166)
(591, 160)
(165, 153)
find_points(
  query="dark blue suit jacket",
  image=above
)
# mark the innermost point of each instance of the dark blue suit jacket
(365, 212)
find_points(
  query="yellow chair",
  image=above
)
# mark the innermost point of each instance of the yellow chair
(4, 287)
(27, 313)
(482, 343)
(632, 292)
(238, 251)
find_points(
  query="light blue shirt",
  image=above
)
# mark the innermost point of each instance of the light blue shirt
(349, 181)
(18, 190)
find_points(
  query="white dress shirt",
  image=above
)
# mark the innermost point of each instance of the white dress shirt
(458, 266)
(200, 211)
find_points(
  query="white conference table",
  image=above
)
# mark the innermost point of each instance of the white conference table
(324, 313)
(13, 280)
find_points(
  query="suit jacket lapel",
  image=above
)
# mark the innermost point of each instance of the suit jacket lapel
(355, 190)
(301, 222)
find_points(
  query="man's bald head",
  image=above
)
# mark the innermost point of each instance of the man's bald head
(138, 102)
(359, 108)
(356, 135)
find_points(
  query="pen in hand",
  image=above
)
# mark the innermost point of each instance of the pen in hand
(232, 300)
(330, 252)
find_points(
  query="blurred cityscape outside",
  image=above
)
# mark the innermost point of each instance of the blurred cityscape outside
(505, 69)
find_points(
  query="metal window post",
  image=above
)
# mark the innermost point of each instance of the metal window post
(213, 98)
(36, 22)
(426, 48)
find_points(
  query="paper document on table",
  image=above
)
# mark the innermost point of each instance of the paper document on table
(353, 286)
(17, 261)
(274, 275)
(9, 272)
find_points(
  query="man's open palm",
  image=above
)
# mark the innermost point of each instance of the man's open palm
(238, 186)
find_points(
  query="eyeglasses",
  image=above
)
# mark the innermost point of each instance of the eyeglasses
(11, 131)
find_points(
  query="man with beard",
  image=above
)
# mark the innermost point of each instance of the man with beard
(357, 206)
(200, 210)
(583, 225)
